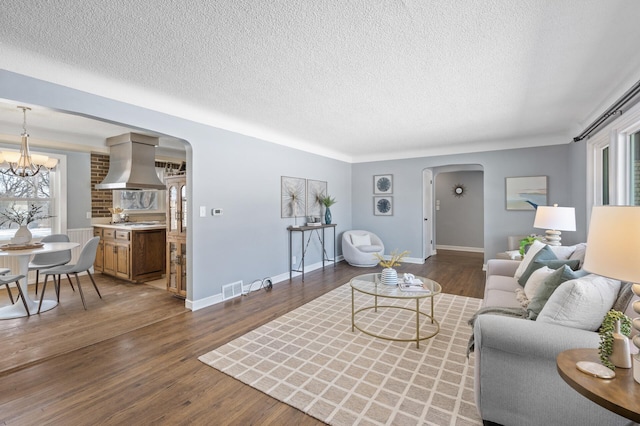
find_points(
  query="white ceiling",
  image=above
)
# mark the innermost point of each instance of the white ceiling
(351, 79)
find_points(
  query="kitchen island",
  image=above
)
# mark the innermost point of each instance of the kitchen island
(131, 251)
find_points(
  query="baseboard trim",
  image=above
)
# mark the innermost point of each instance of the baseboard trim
(461, 248)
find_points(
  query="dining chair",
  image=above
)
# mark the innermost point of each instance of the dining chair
(84, 264)
(8, 279)
(49, 260)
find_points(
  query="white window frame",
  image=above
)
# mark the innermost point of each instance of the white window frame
(616, 136)
(58, 181)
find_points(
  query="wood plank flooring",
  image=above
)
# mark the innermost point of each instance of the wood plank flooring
(121, 362)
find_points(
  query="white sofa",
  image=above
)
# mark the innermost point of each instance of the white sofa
(359, 248)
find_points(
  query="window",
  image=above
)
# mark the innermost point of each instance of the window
(17, 193)
(605, 176)
(634, 169)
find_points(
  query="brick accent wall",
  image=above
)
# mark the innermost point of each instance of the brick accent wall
(101, 199)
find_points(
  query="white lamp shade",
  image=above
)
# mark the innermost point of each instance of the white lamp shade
(11, 156)
(556, 218)
(612, 244)
(51, 163)
(39, 160)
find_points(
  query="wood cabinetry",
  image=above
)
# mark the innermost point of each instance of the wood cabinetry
(177, 235)
(135, 255)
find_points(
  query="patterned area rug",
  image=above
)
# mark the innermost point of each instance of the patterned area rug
(311, 360)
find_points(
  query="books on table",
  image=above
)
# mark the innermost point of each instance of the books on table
(414, 285)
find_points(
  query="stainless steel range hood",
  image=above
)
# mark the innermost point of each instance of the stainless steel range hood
(132, 163)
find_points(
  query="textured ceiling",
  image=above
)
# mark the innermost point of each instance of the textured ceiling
(355, 80)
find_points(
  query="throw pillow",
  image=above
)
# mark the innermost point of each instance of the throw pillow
(563, 252)
(579, 252)
(528, 257)
(548, 286)
(581, 303)
(545, 253)
(535, 281)
(360, 240)
(624, 297)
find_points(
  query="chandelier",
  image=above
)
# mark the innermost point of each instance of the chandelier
(22, 163)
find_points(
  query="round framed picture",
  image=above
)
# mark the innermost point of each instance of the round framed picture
(383, 206)
(383, 184)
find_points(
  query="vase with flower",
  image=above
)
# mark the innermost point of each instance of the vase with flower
(22, 218)
(389, 275)
(327, 201)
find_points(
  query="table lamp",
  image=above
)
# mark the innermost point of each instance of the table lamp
(555, 219)
(612, 251)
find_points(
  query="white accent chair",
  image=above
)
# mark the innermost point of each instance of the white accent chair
(359, 248)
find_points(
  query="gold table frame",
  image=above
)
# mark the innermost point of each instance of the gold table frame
(370, 284)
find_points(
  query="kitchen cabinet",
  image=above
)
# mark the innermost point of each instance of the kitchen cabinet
(177, 266)
(132, 254)
(177, 235)
(176, 206)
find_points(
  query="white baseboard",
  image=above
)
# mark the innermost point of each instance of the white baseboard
(461, 248)
(217, 298)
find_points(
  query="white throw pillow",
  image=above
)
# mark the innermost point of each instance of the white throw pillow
(360, 240)
(535, 280)
(581, 303)
(563, 252)
(533, 250)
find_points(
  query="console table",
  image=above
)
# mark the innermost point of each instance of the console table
(620, 394)
(319, 232)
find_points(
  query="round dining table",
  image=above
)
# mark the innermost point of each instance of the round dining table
(24, 256)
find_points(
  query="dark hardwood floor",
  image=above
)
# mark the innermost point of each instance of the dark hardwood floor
(121, 362)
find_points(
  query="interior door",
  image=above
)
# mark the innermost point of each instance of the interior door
(427, 214)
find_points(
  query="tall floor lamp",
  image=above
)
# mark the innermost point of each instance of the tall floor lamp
(612, 251)
(555, 219)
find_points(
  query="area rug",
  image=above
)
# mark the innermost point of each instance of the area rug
(311, 360)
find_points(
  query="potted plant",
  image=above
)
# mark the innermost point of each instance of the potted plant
(22, 218)
(327, 201)
(527, 241)
(389, 275)
(615, 326)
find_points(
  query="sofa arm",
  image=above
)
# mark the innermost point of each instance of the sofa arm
(530, 338)
(516, 379)
(504, 267)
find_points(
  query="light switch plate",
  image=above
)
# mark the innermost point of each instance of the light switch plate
(203, 211)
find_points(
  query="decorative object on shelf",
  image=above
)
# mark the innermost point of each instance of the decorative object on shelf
(389, 275)
(116, 213)
(458, 190)
(523, 192)
(327, 201)
(316, 190)
(383, 206)
(383, 184)
(293, 197)
(22, 163)
(614, 343)
(612, 247)
(555, 219)
(22, 218)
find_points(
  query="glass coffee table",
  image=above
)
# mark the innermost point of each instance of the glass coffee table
(370, 284)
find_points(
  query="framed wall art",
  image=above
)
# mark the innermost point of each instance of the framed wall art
(315, 190)
(526, 192)
(383, 206)
(383, 184)
(293, 194)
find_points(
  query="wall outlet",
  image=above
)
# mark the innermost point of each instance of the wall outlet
(88, 215)
(293, 259)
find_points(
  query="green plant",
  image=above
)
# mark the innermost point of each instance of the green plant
(607, 329)
(22, 217)
(526, 241)
(394, 259)
(327, 200)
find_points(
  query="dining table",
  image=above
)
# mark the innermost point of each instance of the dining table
(23, 257)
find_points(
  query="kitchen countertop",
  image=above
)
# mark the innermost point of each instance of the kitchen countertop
(132, 226)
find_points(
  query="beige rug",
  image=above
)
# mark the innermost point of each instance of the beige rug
(311, 360)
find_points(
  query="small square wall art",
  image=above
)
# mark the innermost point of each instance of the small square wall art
(383, 206)
(383, 184)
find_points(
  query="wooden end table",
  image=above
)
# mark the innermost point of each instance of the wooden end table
(620, 394)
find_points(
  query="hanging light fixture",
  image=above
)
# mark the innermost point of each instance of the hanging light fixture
(22, 163)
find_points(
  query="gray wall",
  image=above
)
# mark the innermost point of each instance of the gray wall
(563, 164)
(459, 221)
(226, 170)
